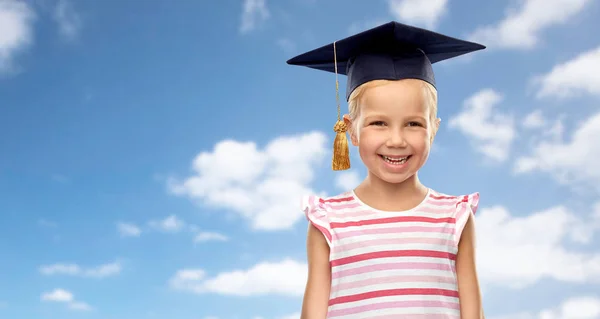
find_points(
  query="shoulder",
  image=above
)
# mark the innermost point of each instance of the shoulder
(319, 209)
(459, 203)
(462, 208)
(314, 203)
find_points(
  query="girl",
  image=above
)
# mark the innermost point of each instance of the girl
(391, 247)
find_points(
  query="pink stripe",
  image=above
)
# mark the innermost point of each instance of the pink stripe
(336, 199)
(393, 220)
(460, 215)
(345, 205)
(436, 209)
(395, 230)
(443, 197)
(394, 304)
(389, 266)
(394, 279)
(418, 316)
(390, 241)
(363, 212)
(450, 203)
(392, 254)
(393, 292)
(439, 208)
(441, 203)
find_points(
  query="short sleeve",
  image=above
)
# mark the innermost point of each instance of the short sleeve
(316, 213)
(466, 207)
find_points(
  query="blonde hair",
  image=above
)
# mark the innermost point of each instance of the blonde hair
(356, 95)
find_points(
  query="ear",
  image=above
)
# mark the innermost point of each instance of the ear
(351, 131)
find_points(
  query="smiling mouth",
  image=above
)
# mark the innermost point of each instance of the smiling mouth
(395, 160)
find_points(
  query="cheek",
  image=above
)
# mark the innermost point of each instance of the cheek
(420, 140)
(369, 141)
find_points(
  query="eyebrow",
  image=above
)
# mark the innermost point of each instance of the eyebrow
(381, 115)
(418, 117)
(375, 115)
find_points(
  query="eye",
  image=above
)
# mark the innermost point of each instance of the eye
(413, 123)
(377, 123)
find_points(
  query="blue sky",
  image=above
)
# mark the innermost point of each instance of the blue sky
(152, 156)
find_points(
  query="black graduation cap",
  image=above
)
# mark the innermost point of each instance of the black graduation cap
(390, 51)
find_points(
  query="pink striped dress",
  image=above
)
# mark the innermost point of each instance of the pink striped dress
(392, 264)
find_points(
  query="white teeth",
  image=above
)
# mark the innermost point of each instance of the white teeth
(395, 160)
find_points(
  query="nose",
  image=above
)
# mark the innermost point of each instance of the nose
(396, 139)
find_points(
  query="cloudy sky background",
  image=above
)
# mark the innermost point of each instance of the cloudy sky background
(152, 156)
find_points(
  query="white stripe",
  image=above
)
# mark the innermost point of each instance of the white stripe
(360, 238)
(396, 285)
(399, 224)
(393, 235)
(400, 260)
(366, 302)
(391, 272)
(395, 273)
(388, 247)
(406, 311)
(430, 227)
(426, 210)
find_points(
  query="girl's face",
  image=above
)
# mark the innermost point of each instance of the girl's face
(394, 130)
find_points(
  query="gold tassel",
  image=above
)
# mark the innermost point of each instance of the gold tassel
(341, 154)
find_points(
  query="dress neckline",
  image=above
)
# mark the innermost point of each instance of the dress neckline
(421, 203)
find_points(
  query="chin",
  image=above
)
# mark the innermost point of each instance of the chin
(394, 178)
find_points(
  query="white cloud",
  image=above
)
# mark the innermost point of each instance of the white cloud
(491, 131)
(16, 19)
(522, 26)
(582, 307)
(287, 277)
(254, 13)
(574, 162)
(263, 186)
(534, 120)
(128, 230)
(347, 180)
(58, 295)
(64, 296)
(556, 130)
(100, 271)
(508, 255)
(596, 214)
(68, 20)
(209, 236)
(417, 12)
(571, 78)
(170, 224)
(78, 305)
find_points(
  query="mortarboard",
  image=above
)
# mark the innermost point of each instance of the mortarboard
(391, 51)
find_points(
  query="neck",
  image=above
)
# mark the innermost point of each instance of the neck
(382, 195)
